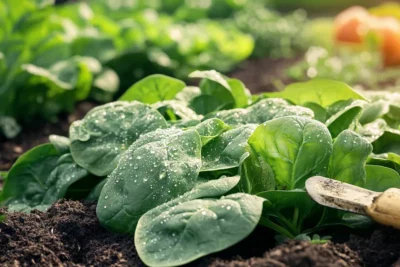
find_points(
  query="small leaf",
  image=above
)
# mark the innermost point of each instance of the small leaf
(225, 151)
(154, 88)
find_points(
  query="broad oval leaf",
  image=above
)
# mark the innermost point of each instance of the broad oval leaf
(157, 168)
(296, 148)
(225, 151)
(320, 91)
(343, 119)
(154, 88)
(40, 177)
(349, 154)
(99, 139)
(172, 235)
(379, 178)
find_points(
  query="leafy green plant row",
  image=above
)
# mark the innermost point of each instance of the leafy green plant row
(52, 57)
(192, 170)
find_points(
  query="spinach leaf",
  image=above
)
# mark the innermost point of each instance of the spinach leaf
(374, 110)
(174, 110)
(373, 130)
(349, 154)
(389, 141)
(210, 129)
(295, 147)
(225, 151)
(222, 92)
(343, 119)
(320, 113)
(154, 88)
(40, 177)
(262, 111)
(380, 178)
(156, 168)
(255, 174)
(390, 160)
(99, 139)
(320, 91)
(180, 232)
(61, 143)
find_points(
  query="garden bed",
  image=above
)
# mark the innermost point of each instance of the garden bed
(69, 234)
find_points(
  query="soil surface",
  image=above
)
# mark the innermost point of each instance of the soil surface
(264, 74)
(37, 134)
(69, 234)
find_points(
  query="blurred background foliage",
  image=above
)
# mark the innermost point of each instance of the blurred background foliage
(52, 56)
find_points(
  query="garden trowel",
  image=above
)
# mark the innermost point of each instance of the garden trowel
(383, 207)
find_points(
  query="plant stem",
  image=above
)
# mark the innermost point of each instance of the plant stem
(275, 227)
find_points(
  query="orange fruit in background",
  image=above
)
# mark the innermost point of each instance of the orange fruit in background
(388, 31)
(352, 24)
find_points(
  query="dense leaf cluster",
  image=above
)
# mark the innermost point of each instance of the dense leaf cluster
(192, 170)
(53, 56)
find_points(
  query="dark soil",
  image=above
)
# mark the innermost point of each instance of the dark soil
(37, 134)
(264, 74)
(69, 235)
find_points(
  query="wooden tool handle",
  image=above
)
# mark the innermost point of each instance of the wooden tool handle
(385, 208)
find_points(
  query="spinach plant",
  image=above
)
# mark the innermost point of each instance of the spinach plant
(189, 170)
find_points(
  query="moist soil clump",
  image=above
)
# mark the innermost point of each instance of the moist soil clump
(301, 253)
(69, 234)
(382, 248)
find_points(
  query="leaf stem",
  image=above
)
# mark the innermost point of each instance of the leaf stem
(265, 222)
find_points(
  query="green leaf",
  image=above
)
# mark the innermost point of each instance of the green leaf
(262, 111)
(61, 143)
(225, 151)
(188, 94)
(320, 91)
(373, 111)
(154, 88)
(96, 191)
(174, 110)
(204, 104)
(390, 160)
(343, 119)
(99, 139)
(40, 177)
(210, 129)
(389, 141)
(380, 178)
(296, 148)
(240, 93)
(158, 167)
(187, 231)
(215, 85)
(349, 154)
(320, 113)
(373, 130)
(9, 127)
(255, 174)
